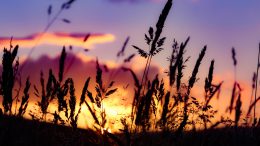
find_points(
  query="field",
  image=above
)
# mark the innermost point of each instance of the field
(16, 131)
(163, 110)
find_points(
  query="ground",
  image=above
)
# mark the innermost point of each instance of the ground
(17, 131)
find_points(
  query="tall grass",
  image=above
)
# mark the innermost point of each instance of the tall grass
(154, 41)
(102, 92)
(156, 106)
(256, 83)
(8, 77)
(52, 18)
(25, 98)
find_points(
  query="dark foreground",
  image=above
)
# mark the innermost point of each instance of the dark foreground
(20, 132)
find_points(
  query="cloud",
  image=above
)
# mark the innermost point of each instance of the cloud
(135, 1)
(118, 105)
(58, 39)
(195, 1)
(80, 67)
(138, 1)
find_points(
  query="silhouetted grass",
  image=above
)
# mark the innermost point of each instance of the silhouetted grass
(8, 77)
(256, 83)
(25, 98)
(161, 114)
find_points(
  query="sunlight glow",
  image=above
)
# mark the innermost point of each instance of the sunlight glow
(58, 39)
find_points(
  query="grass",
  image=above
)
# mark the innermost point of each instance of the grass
(162, 113)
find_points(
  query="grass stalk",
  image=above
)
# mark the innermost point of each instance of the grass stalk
(256, 82)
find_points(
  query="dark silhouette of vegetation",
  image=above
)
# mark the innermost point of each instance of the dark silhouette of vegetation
(154, 41)
(51, 19)
(256, 83)
(25, 99)
(168, 113)
(8, 77)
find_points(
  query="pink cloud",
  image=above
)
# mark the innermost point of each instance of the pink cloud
(58, 39)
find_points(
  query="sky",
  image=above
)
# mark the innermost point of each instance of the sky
(219, 24)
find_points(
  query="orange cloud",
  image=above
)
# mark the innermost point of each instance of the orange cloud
(117, 106)
(59, 39)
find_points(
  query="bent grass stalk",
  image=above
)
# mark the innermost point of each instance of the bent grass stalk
(256, 83)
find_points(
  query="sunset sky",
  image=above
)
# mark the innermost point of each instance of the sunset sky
(219, 24)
